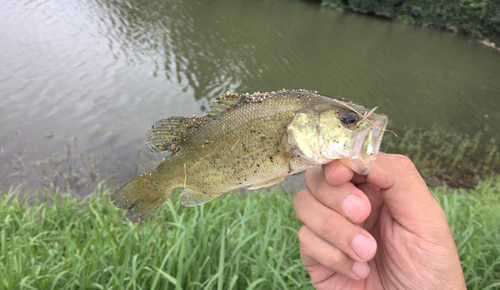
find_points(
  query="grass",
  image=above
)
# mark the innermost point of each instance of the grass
(230, 243)
(474, 216)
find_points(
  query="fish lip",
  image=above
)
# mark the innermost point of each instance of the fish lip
(378, 130)
(368, 139)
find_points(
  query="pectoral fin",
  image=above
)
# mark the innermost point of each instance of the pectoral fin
(190, 197)
(267, 183)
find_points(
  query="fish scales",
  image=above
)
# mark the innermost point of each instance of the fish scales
(239, 148)
(242, 142)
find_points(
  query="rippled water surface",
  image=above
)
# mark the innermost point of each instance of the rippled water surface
(81, 81)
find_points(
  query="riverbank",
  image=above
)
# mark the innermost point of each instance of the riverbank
(442, 157)
(230, 243)
(475, 17)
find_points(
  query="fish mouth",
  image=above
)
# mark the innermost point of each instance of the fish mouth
(366, 146)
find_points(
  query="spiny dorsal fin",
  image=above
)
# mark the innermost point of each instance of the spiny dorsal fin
(229, 101)
(168, 134)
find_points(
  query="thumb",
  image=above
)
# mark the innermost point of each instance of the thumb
(403, 189)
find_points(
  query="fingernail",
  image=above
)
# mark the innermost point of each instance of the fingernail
(363, 246)
(361, 270)
(353, 207)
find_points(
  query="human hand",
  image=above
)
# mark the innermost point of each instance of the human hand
(385, 231)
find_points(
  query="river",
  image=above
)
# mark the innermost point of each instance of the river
(82, 81)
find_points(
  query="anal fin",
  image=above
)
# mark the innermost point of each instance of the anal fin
(190, 197)
(267, 183)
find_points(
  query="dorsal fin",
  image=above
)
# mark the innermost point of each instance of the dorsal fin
(224, 103)
(230, 101)
(168, 134)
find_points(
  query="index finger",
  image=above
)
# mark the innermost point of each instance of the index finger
(342, 196)
(337, 173)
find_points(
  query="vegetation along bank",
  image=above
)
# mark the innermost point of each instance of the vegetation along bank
(480, 18)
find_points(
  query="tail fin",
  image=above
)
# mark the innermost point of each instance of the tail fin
(141, 196)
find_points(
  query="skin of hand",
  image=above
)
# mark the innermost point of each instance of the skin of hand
(383, 231)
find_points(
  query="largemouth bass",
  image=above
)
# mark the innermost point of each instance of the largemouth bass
(251, 141)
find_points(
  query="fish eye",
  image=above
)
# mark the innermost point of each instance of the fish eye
(349, 118)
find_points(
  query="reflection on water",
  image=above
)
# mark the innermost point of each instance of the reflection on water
(173, 35)
(82, 81)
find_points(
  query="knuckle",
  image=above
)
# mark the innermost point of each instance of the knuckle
(405, 163)
(303, 234)
(299, 198)
(322, 193)
(328, 225)
(336, 260)
(307, 174)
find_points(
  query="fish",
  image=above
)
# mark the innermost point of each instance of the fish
(251, 141)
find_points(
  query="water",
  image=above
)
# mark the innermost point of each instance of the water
(81, 81)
